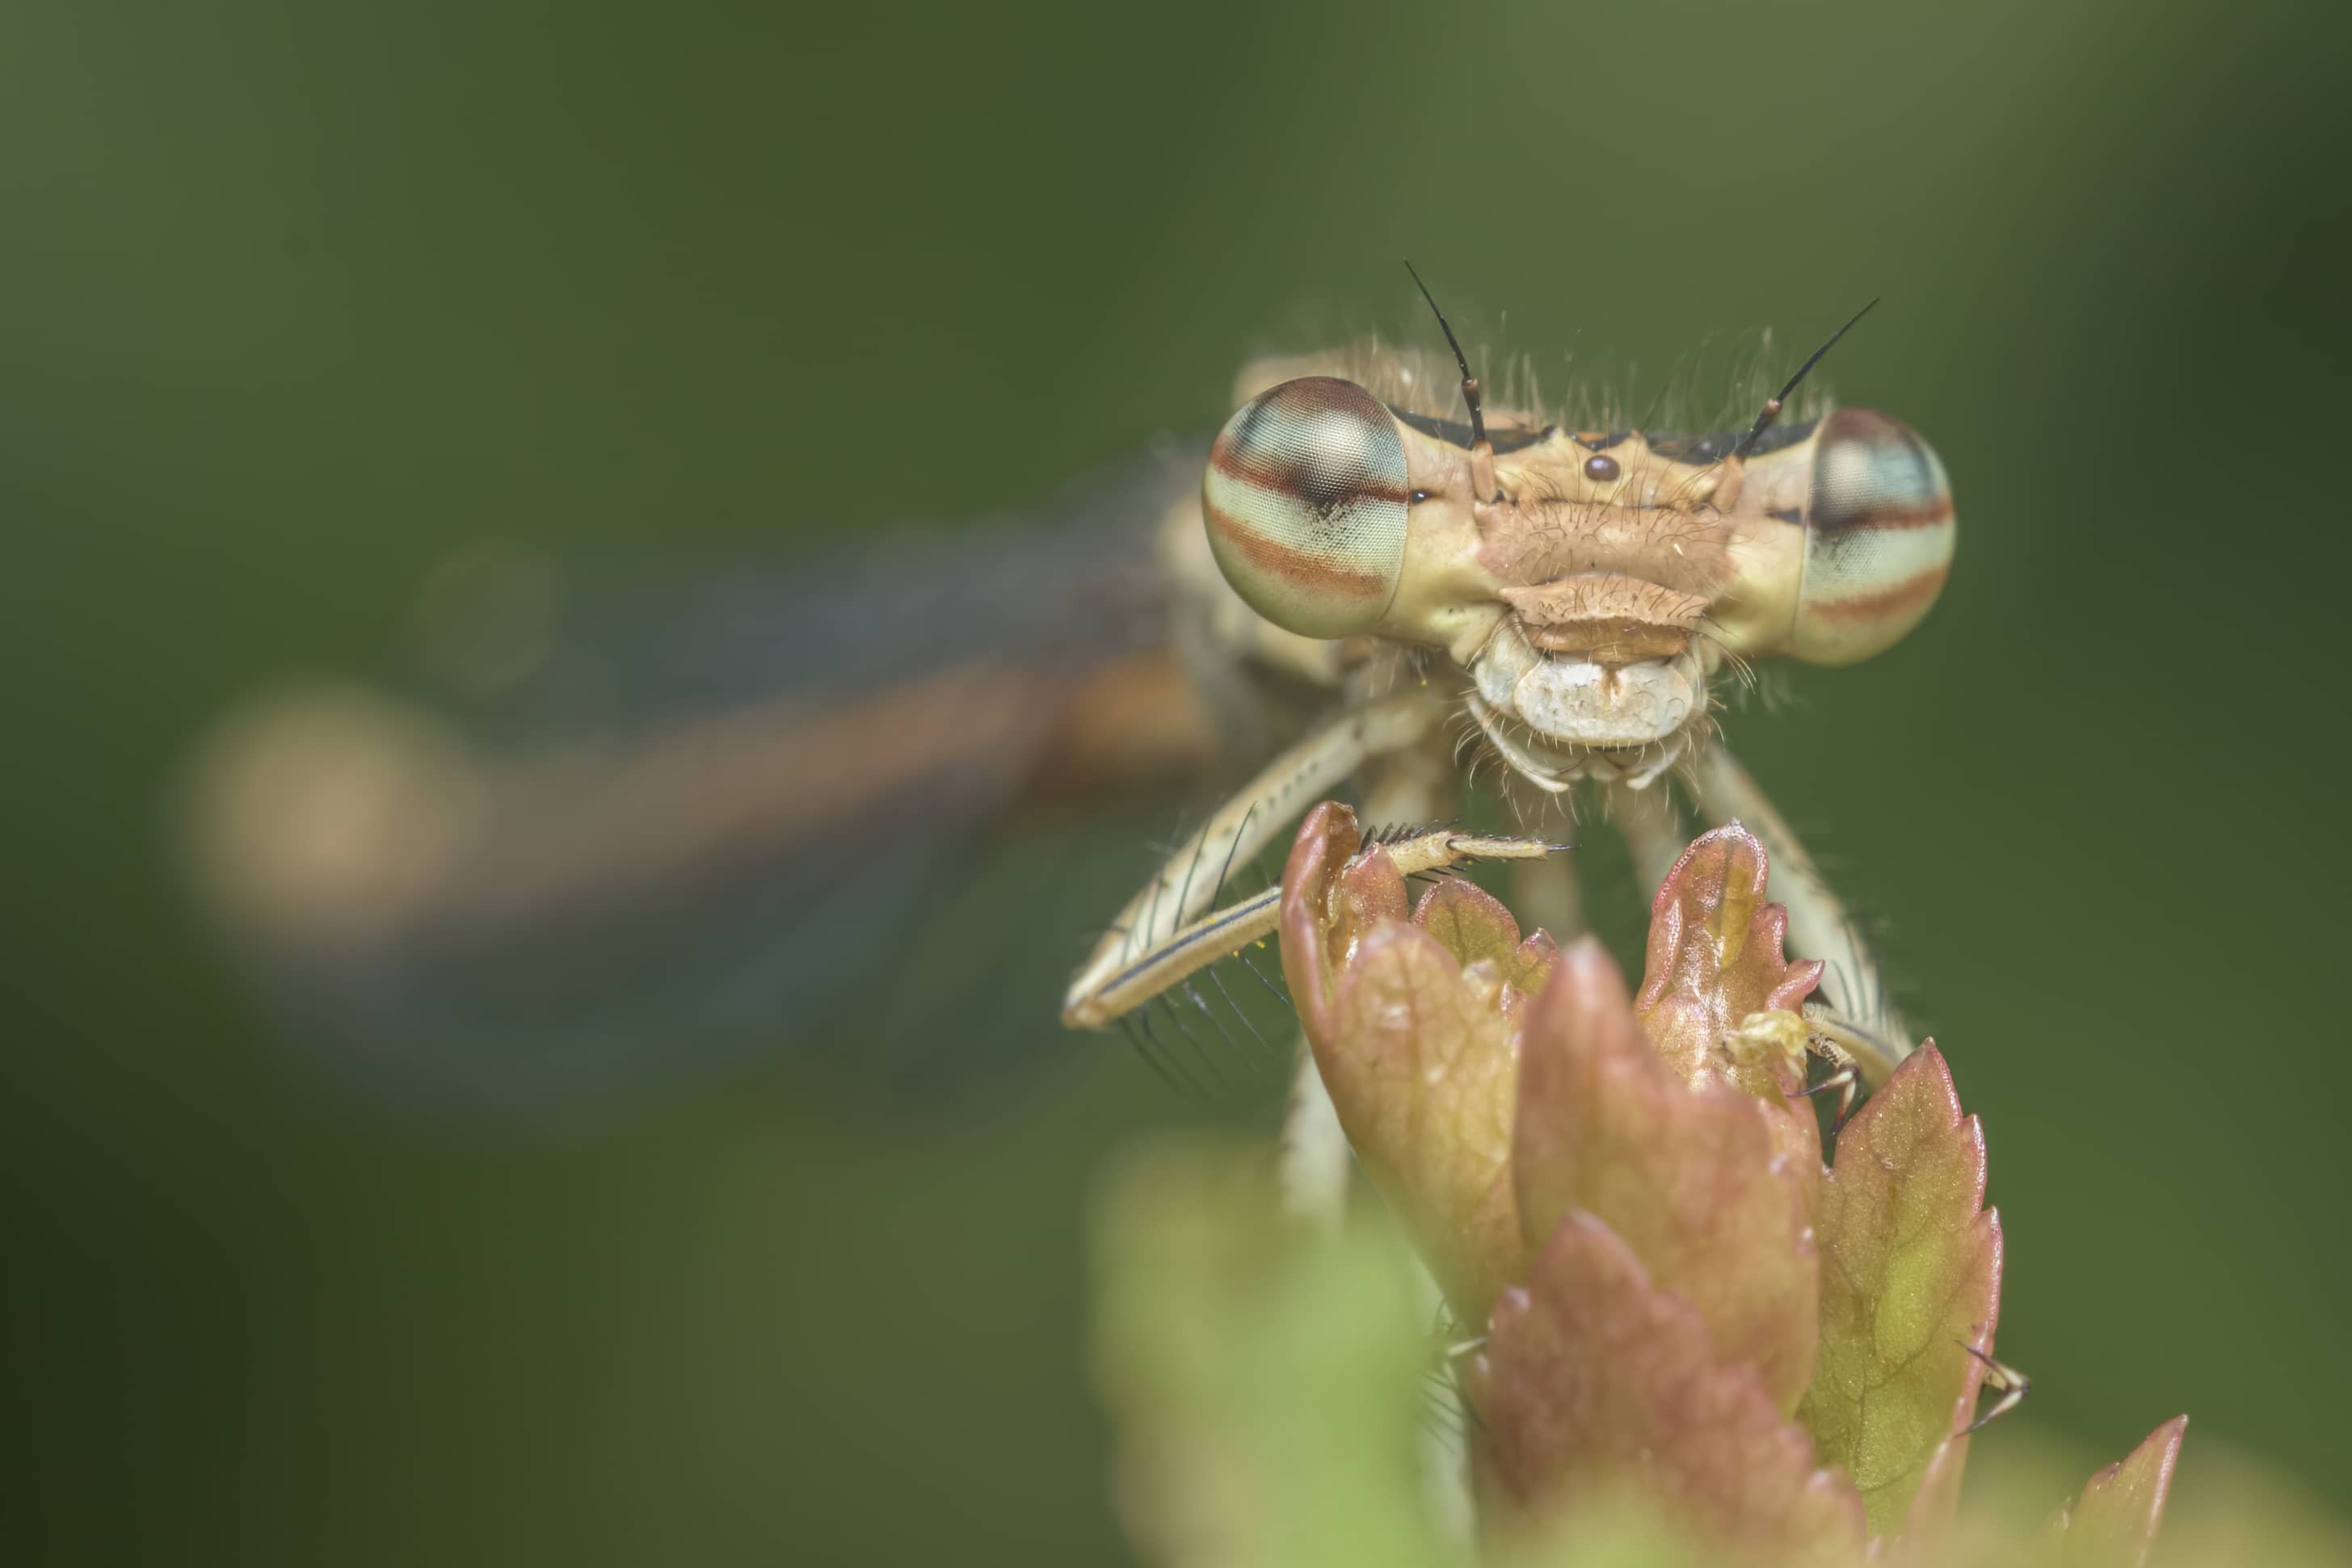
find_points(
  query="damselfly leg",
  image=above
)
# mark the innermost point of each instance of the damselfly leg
(1857, 1025)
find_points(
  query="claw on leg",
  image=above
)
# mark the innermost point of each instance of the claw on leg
(1868, 1051)
(2010, 1385)
(1845, 1080)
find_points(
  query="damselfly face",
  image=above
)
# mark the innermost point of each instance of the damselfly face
(1589, 583)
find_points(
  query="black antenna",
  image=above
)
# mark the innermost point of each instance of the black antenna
(1469, 381)
(1772, 405)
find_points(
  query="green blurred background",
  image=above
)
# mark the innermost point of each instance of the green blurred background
(297, 296)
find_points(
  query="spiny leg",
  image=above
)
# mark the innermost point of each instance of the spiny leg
(1121, 965)
(1227, 933)
(1654, 830)
(1819, 925)
(1315, 1157)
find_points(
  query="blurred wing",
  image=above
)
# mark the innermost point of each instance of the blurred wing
(656, 835)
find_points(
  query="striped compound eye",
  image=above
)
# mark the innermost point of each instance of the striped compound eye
(1305, 499)
(1879, 538)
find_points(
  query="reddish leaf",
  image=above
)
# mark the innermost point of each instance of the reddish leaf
(1715, 958)
(1594, 1381)
(1321, 926)
(2113, 1522)
(1419, 1054)
(1910, 1275)
(1472, 923)
(1686, 1177)
(1421, 1064)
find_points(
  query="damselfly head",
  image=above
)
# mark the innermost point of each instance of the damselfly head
(1589, 583)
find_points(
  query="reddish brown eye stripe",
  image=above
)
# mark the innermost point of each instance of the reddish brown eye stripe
(1305, 567)
(1319, 487)
(1914, 593)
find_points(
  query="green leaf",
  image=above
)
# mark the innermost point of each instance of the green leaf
(2113, 1522)
(1596, 1385)
(1686, 1177)
(1910, 1276)
(1264, 1376)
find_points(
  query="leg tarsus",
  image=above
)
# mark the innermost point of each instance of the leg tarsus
(1844, 1081)
(2011, 1384)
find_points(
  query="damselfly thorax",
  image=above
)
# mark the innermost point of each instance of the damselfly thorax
(1559, 603)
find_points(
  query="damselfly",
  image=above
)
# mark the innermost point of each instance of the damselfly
(1568, 594)
(684, 812)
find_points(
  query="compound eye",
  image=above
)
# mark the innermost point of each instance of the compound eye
(1305, 499)
(1879, 538)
